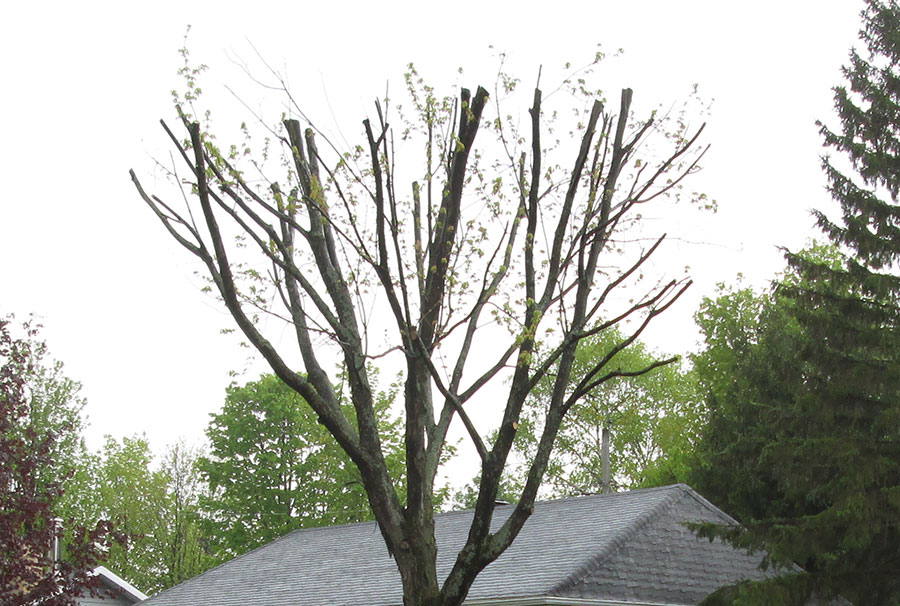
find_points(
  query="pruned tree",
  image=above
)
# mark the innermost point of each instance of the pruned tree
(459, 280)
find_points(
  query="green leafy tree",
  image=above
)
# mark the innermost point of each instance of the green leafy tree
(155, 504)
(186, 550)
(54, 408)
(741, 330)
(273, 468)
(651, 419)
(467, 497)
(132, 493)
(501, 248)
(155, 543)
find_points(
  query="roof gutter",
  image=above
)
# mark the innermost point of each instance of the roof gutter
(557, 601)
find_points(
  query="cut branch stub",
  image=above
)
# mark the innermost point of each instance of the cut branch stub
(447, 224)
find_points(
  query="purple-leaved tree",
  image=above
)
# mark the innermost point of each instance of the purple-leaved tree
(30, 571)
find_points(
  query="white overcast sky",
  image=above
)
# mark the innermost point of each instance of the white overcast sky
(85, 83)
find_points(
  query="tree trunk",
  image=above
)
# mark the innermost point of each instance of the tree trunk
(416, 561)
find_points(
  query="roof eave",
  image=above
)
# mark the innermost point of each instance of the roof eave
(120, 584)
(557, 601)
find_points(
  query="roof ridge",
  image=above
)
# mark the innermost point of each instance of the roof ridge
(708, 505)
(679, 491)
(627, 534)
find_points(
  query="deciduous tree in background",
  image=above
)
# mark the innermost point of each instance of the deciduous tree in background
(187, 549)
(650, 418)
(143, 516)
(132, 492)
(456, 269)
(155, 504)
(273, 468)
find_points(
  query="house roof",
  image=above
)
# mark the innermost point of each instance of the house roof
(621, 548)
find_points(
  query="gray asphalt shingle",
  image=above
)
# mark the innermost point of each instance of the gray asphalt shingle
(629, 546)
(664, 562)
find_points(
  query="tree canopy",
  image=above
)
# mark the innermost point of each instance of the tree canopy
(153, 501)
(273, 468)
(651, 419)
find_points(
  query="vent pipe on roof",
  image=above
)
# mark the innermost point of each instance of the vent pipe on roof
(604, 457)
(55, 551)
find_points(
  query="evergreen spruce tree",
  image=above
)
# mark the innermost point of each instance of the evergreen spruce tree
(852, 323)
(814, 408)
